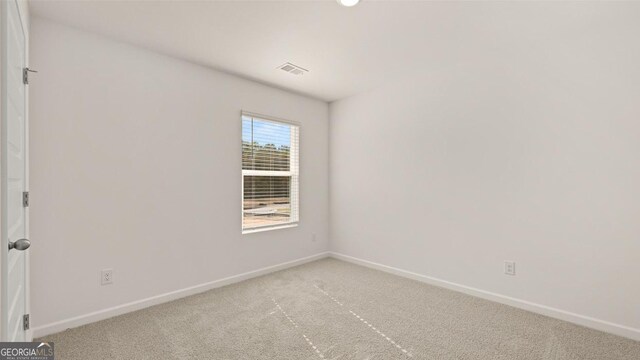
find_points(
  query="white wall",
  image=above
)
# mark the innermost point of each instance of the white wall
(525, 148)
(136, 161)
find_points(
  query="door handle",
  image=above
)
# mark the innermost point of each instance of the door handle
(22, 244)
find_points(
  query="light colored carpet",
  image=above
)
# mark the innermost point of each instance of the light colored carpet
(330, 309)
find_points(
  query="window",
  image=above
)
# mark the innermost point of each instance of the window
(269, 173)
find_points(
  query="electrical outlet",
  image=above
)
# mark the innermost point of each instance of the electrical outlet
(313, 237)
(106, 277)
(510, 268)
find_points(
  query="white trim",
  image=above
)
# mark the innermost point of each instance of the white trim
(578, 319)
(266, 173)
(294, 166)
(62, 325)
(267, 228)
(23, 5)
(269, 118)
(597, 324)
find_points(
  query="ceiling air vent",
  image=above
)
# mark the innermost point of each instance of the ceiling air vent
(292, 69)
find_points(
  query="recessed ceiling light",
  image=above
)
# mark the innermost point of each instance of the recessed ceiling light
(348, 3)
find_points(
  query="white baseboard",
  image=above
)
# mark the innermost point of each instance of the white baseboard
(578, 319)
(62, 325)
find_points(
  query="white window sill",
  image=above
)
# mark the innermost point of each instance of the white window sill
(269, 228)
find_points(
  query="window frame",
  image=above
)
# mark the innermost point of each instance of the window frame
(293, 173)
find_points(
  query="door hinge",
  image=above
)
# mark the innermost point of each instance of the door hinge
(25, 75)
(25, 322)
(25, 199)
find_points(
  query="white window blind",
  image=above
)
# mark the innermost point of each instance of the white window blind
(269, 173)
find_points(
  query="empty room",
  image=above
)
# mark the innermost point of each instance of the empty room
(330, 179)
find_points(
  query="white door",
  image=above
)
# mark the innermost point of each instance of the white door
(14, 225)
